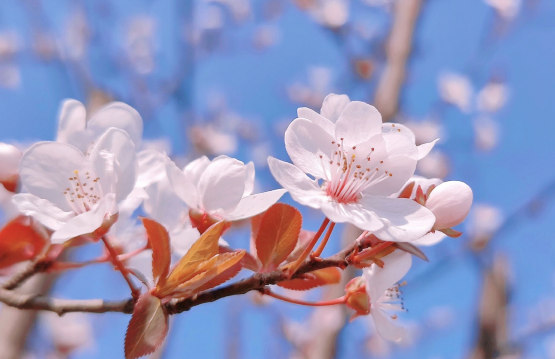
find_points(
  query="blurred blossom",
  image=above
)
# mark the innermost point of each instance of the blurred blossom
(260, 153)
(240, 9)
(379, 3)
(70, 332)
(484, 220)
(434, 165)
(10, 76)
(492, 97)
(211, 141)
(426, 130)
(441, 317)
(486, 133)
(507, 9)
(9, 45)
(312, 94)
(140, 43)
(210, 17)
(44, 45)
(331, 13)
(265, 36)
(456, 90)
(162, 144)
(76, 36)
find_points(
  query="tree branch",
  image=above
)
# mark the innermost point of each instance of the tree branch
(255, 282)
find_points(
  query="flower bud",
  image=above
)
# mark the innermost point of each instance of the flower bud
(450, 203)
(10, 157)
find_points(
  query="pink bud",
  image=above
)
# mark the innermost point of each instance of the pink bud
(450, 203)
(9, 161)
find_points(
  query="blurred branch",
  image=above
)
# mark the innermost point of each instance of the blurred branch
(256, 282)
(398, 49)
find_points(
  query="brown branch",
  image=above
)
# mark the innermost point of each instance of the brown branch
(256, 282)
(27, 272)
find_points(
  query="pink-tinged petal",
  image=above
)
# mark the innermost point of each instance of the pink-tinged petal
(46, 169)
(72, 119)
(87, 222)
(429, 239)
(152, 167)
(425, 148)
(182, 240)
(397, 128)
(222, 184)
(249, 183)
(303, 189)
(317, 119)
(164, 206)
(41, 210)
(399, 170)
(195, 169)
(305, 142)
(423, 182)
(450, 202)
(398, 144)
(182, 184)
(10, 157)
(333, 105)
(404, 220)
(352, 213)
(254, 204)
(118, 115)
(378, 280)
(118, 143)
(387, 327)
(358, 122)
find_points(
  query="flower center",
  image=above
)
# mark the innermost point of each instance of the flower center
(351, 172)
(391, 301)
(83, 192)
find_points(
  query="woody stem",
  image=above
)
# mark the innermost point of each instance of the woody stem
(370, 252)
(292, 268)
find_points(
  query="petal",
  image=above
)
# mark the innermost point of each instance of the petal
(303, 189)
(358, 122)
(182, 184)
(423, 182)
(352, 213)
(429, 239)
(404, 220)
(386, 327)
(305, 142)
(222, 184)
(182, 241)
(196, 168)
(398, 128)
(378, 279)
(72, 117)
(85, 223)
(399, 171)
(164, 206)
(118, 143)
(317, 119)
(450, 202)
(254, 204)
(46, 169)
(152, 167)
(333, 105)
(41, 210)
(425, 148)
(398, 144)
(249, 183)
(118, 115)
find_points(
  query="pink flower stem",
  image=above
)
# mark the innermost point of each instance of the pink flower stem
(119, 265)
(294, 266)
(340, 300)
(61, 266)
(320, 248)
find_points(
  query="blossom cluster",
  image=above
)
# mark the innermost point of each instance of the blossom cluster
(91, 182)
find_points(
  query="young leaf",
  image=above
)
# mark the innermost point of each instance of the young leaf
(227, 267)
(279, 230)
(314, 279)
(147, 328)
(248, 262)
(159, 240)
(20, 240)
(407, 191)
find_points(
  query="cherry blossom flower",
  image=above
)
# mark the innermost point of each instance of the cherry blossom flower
(436, 165)
(492, 97)
(456, 90)
(356, 165)
(221, 188)
(73, 194)
(507, 9)
(486, 133)
(383, 290)
(76, 130)
(450, 203)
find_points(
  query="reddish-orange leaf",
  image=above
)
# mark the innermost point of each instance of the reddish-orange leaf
(279, 230)
(248, 262)
(147, 328)
(20, 240)
(159, 240)
(314, 279)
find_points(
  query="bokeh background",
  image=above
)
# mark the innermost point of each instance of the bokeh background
(214, 77)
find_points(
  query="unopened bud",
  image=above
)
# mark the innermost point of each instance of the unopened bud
(360, 303)
(450, 203)
(10, 157)
(202, 220)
